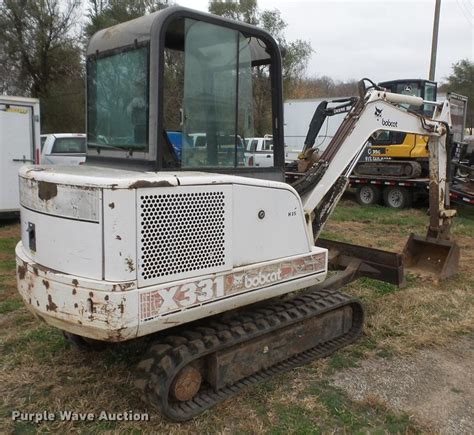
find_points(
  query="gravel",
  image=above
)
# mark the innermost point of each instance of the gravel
(435, 386)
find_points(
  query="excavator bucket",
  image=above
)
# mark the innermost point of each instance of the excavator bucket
(428, 255)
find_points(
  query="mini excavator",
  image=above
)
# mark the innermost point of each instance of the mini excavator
(218, 264)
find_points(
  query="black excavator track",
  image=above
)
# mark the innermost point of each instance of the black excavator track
(198, 345)
(389, 168)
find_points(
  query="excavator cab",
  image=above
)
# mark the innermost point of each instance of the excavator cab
(425, 89)
(175, 91)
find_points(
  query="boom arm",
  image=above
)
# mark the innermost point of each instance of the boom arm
(323, 185)
(320, 115)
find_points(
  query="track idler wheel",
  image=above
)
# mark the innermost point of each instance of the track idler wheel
(186, 384)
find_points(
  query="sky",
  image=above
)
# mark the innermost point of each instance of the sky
(379, 39)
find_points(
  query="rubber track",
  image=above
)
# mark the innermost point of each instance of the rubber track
(416, 169)
(164, 360)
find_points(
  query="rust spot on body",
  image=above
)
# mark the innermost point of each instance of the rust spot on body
(35, 270)
(130, 264)
(47, 190)
(74, 291)
(51, 305)
(75, 282)
(144, 183)
(118, 237)
(110, 32)
(75, 305)
(112, 205)
(46, 283)
(126, 286)
(115, 335)
(21, 272)
(91, 294)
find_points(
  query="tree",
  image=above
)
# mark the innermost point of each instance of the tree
(461, 81)
(39, 52)
(296, 53)
(34, 39)
(243, 10)
(295, 59)
(107, 13)
(324, 86)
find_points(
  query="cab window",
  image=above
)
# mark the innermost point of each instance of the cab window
(69, 145)
(268, 145)
(430, 95)
(386, 137)
(211, 74)
(118, 101)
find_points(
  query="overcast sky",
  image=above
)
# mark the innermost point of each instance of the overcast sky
(379, 39)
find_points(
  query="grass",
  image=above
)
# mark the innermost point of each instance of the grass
(39, 370)
(43, 340)
(10, 305)
(360, 417)
(399, 220)
(7, 245)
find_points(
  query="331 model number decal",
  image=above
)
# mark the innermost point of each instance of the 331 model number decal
(191, 293)
(154, 303)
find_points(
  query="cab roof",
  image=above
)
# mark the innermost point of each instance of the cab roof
(149, 28)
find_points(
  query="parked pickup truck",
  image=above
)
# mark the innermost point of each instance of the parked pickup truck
(63, 149)
(259, 151)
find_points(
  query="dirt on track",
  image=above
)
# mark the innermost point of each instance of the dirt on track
(436, 386)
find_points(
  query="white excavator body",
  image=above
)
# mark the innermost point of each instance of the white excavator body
(113, 255)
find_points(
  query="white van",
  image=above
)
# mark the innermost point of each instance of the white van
(19, 144)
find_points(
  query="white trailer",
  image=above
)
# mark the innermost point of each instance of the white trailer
(19, 144)
(298, 115)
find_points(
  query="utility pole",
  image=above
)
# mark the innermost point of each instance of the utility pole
(434, 41)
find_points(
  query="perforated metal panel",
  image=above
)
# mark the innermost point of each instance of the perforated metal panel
(183, 232)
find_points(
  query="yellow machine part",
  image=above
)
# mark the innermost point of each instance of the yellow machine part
(413, 146)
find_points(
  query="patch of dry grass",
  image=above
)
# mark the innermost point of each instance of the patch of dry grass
(425, 312)
(422, 314)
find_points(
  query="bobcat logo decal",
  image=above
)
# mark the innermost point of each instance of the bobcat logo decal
(378, 112)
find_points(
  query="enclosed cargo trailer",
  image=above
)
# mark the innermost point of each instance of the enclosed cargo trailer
(19, 144)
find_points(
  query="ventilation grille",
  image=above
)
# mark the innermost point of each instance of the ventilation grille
(181, 234)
